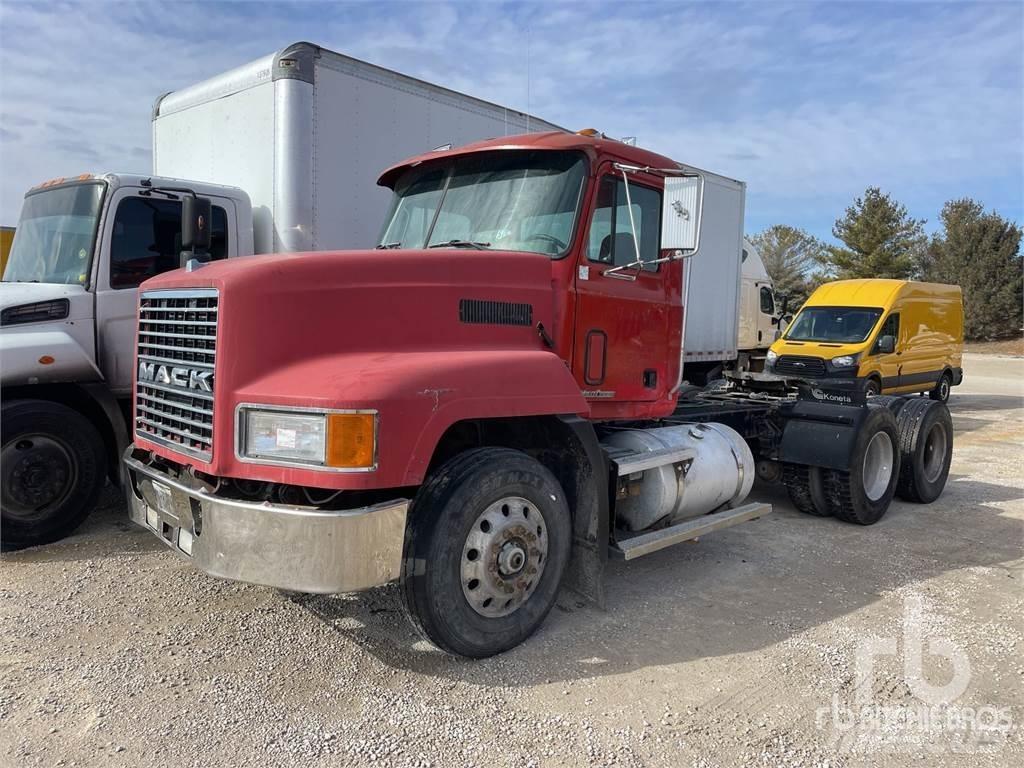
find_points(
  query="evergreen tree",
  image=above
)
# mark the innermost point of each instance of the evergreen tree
(790, 255)
(881, 240)
(981, 253)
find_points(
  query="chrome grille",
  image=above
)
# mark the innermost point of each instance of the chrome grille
(800, 365)
(177, 349)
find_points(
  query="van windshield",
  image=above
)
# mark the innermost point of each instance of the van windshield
(505, 200)
(843, 325)
(54, 240)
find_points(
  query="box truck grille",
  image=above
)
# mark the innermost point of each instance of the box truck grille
(177, 350)
(798, 365)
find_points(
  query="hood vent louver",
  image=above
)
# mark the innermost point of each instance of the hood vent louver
(479, 311)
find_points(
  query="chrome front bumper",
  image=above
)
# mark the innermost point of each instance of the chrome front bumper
(275, 545)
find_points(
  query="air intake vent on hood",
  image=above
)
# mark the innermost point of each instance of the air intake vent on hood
(495, 312)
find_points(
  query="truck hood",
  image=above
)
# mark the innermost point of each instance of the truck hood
(18, 294)
(278, 310)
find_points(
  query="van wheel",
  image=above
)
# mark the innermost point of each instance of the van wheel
(806, 489)
(52, 468)
(862, 495)
(926, 445)
(941, 391)
(488, 542)
(872, 387)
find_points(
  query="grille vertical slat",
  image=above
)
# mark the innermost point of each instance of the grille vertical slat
(177, 347)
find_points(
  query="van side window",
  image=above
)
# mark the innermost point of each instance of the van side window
(891, 327)
(147, 239)
(611, 237)
(767, 302)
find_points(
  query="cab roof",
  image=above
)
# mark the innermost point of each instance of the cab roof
(875, 292)
(549, 140)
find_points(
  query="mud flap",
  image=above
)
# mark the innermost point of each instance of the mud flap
(821, 428)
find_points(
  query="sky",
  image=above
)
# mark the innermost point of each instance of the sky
(809, 103)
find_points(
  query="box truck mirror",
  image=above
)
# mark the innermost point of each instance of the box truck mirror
(196, 223)
(681, 214)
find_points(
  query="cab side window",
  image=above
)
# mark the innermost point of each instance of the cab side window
(147, 239)
(611, 236)
(767, 302)
(891, 327)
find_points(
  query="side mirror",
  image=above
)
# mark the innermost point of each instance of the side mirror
(196, 224)
(886, 345)
(681, 214)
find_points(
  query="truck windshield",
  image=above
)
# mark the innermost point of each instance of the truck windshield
(505, 200)
(55, 236)
(844, 325)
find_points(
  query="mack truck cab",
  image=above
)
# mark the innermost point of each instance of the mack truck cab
(67, 331)
(485, 407)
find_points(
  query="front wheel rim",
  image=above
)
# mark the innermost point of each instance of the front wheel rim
(877, 471)
(504, 556)
(39, 473)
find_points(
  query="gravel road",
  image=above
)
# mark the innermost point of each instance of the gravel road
(731, 651)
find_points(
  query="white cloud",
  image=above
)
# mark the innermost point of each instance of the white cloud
(807, 103)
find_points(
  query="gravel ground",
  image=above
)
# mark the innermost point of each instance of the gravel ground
(730, 651)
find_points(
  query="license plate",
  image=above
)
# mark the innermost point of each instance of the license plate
(163, 498)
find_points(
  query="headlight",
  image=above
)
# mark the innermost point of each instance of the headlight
(844, 361)
(319, 439)
(772, 356)
(57, 309)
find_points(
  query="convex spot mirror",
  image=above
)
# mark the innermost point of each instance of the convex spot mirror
(680, 214)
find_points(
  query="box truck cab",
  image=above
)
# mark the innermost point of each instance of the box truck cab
(893, 336)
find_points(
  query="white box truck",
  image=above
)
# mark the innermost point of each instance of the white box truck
(732, 317)
(287, 149)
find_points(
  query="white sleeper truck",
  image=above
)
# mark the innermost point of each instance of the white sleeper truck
(286, 149)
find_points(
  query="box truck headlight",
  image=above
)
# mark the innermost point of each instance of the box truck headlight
(321, 440)
(844, 361)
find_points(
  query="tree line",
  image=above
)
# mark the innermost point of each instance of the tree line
(979, 251)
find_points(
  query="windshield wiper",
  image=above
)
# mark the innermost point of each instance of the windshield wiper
(387, 246)
(460, 244)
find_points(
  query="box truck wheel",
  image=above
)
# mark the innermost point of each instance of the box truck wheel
(806, 489)
(489, 539)
(942, 387)
(926, 444)
(53, 467)
(862, 495)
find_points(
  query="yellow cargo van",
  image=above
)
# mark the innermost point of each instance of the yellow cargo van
(893, 336)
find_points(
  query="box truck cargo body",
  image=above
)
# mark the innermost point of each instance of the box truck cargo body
(305, 132)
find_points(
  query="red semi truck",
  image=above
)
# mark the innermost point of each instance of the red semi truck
(486, 405)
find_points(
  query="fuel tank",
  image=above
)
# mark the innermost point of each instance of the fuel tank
(721, 474)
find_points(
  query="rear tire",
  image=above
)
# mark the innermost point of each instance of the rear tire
(863, 494)
(488, 542)
(53, 467)
(806, 489)
(926, 445)
(941, 391)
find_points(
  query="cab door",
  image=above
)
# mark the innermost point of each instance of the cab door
(887, 365)
(621, 351)
(141, 238)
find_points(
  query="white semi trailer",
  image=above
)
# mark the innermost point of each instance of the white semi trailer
(287, 148)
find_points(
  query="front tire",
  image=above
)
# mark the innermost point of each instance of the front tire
(53, 467)
(872, 387)
(488, 542)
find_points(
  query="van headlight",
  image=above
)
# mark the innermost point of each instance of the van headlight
(844, 361)
(771, 357)
(330, 440)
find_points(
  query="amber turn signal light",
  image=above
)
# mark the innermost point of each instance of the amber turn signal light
(352, 440)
